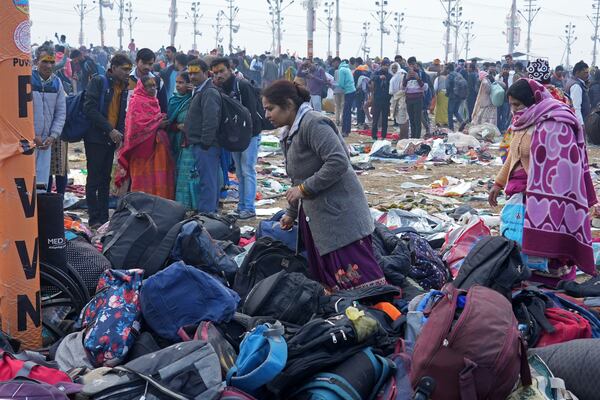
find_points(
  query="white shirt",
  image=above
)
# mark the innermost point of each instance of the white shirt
(577, 98)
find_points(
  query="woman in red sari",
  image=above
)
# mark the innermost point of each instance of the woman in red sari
(145, 158)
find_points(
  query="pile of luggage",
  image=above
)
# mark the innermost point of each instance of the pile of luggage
(180, 311)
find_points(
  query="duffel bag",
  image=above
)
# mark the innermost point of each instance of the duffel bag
(285, 296)
(359, 377)
(220, 227)
(265, 258)
(29, 389)
(141, 232)
(183, 371)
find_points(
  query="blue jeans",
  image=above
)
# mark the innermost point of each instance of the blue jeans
(453, 107)
(225, 164)
(208, 166)
(316, 102)
(347, 115)
(503, 114)
(245, 170)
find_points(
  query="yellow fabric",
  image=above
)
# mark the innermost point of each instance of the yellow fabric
(518, 155)
(115, 105)
(441, 109)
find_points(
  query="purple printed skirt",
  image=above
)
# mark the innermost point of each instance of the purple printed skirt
(350, 267)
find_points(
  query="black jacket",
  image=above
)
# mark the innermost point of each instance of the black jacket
(97, 113)
(204, 117)
(242, 90)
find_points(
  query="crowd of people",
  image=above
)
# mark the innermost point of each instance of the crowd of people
(159, 114)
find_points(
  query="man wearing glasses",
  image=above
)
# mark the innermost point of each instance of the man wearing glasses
(105, 104)
(49, 110)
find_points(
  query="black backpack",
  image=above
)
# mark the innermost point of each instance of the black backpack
(317, 345)
(266, 257)
(142, 231)
(285, 296)
(235, 129)
(494, 262)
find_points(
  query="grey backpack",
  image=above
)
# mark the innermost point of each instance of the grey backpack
(183, 371)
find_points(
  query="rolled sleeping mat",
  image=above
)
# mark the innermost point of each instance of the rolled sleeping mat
(577, 362)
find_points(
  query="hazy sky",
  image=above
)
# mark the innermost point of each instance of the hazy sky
(423, 31)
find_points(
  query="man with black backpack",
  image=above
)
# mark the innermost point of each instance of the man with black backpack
(245, 161)
(202, 127)
(457, 90)
(105, 103)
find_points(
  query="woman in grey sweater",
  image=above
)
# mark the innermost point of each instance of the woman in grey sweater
(327, 198)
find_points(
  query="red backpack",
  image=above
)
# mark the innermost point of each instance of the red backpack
(567, 326)
(470, 346)
(11, 368)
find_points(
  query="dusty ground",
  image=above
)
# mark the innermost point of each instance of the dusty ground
(382, 185)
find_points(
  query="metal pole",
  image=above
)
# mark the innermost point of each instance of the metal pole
(595, 23)
(448, 25)
(121, 11)
(310, 27)
(278, 26)
(511, 29)
(338, 33)
(101, 23)
(173, 26)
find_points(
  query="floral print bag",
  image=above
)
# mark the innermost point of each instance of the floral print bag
(111, 319)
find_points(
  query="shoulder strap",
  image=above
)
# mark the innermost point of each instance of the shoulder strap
(163, 389)
(158, 257)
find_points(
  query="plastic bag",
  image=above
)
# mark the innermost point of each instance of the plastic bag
(512, 220)
(460, 241)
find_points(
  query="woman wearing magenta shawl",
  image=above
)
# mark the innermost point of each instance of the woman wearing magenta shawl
(547, 181)
(145, 161)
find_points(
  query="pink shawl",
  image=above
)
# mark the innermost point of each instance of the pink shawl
(559, 187)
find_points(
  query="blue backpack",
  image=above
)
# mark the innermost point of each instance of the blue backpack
(182, 295)
(77, 122)
(263, 355)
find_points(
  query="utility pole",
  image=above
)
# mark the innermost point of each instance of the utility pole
(130, 19)
(448, 24)
(276, 7)
(468, 37)
(329, 23)
(273, 23)
(531, 9)
(596, 23)
(381, 17)
(363, 43)
(173, 25)
(82, 11)
(569, 39)
(310, 26)
(218, 28)
(101, 23)
(233, 12)
(338, 28)
(195, 17)
(121, 13)
(398, 19)
(456, 24)
(512, 24)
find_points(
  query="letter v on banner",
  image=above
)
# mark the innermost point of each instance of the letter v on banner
(20, 310)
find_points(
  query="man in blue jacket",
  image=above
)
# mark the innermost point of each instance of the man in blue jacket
(346, 83)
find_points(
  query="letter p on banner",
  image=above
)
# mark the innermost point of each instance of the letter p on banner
(20, 309)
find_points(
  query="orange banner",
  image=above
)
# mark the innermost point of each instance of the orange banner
(20, 303)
